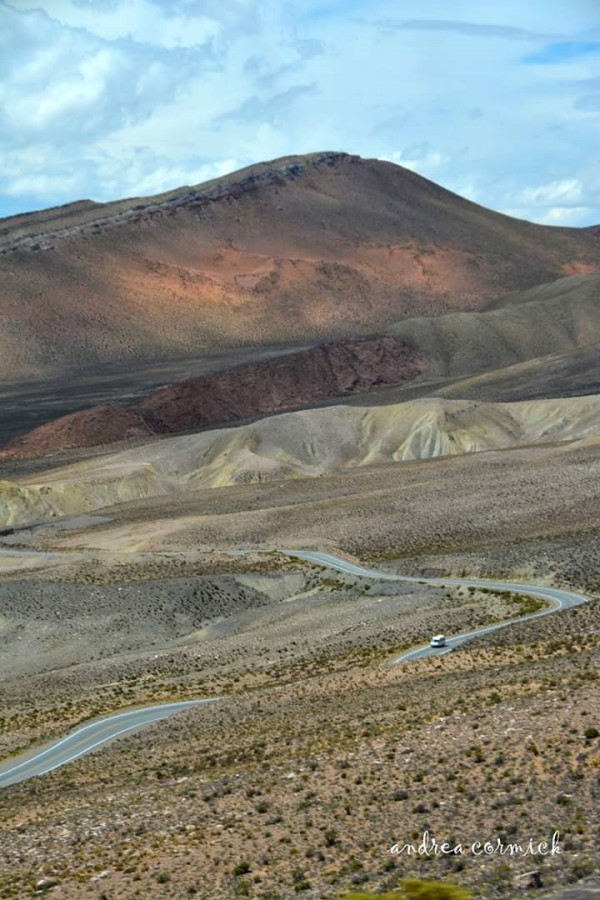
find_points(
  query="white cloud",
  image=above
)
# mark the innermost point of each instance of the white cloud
(561, 215)
(162, 175)
(418, 157)
(139, 20)
(109, 98)
(568, 192)
(565, 201)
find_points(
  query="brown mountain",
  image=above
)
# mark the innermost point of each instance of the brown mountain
(312, 248)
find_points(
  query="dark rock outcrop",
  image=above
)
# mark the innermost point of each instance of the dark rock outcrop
(305, 378)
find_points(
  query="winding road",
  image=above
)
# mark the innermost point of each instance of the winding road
(104, 730)
(87, 738)
(556, 598)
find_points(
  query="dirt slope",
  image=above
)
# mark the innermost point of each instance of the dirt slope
(309, 247)
(304, 378)
(553, 318)
(303, 444)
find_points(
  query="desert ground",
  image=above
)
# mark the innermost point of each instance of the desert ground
(320, 755)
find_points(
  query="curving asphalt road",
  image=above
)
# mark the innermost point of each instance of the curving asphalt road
(101, 732)
(87, 738)
(557, 599)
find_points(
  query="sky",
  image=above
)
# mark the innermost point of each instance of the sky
(497, 101)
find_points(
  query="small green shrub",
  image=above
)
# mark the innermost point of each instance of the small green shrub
(242, 868)
(330, 837)
(415, 889)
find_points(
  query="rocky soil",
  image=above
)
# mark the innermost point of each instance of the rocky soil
(321, 755)
(305, 444)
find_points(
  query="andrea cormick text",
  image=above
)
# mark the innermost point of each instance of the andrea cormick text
(429, 846)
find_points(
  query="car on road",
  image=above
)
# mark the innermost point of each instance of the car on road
(438, 640)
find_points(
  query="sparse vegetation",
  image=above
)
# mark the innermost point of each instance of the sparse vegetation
(320, 755)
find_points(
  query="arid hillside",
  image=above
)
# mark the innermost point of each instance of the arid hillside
(317, 742)
(554, 318)
(314, 247)
(538, 343)
(289, 381)
(304, 444)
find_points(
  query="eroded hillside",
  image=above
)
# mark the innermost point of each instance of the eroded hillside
(303, 444)
(535, 344)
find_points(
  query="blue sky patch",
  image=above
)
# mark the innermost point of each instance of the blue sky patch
(563, 51)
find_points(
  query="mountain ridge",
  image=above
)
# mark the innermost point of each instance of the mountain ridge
(167, 202)
(327, 248)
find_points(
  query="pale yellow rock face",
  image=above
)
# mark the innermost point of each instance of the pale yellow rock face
(304, 444)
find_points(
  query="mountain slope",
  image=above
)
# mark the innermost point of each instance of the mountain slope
(541, 343)
(570, 374)
(310, 247)
(552, 318)
(308, 443)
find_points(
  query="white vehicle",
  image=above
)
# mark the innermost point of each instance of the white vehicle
(439, 640)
